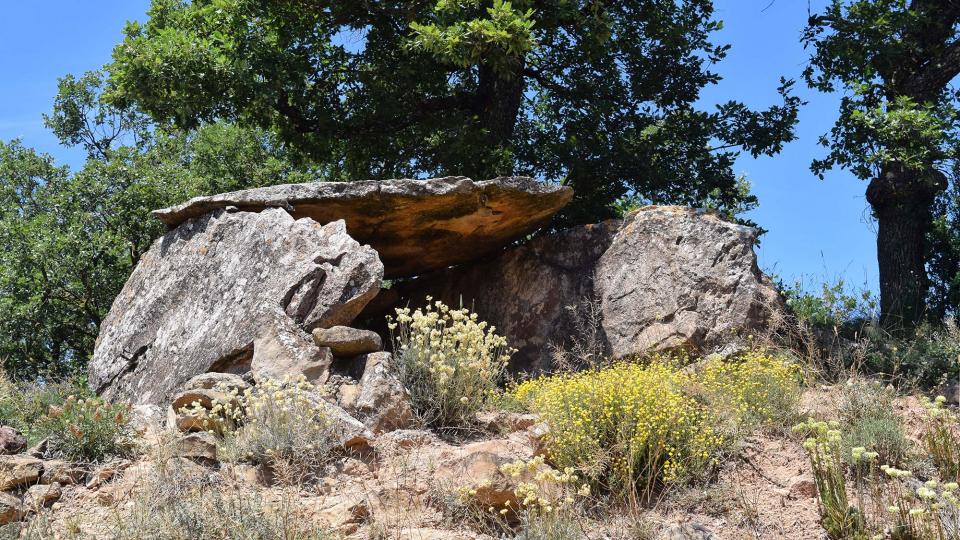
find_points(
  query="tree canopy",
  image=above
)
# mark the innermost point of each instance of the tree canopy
(598, 95)
(898, 127)
(71, 238)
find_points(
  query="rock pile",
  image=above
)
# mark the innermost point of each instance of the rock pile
(274, 282)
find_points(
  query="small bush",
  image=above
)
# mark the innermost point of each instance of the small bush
(757, 389)
(868, 419)
(282, 424)
(835, 307)
(893, 504)
(630, 428)
(926, 358)
(87, 430)
(825, 449)
(177, 501)
(24, 404)
(627, 426)
(450, 363)
(941, 440)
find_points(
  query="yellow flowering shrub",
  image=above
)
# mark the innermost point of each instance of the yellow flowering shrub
(632, 427)
(628, 425)
(449, 362)
(756, 388)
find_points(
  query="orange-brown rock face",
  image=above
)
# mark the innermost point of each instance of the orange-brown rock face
(415, 225)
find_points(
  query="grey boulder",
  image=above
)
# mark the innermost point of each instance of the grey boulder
(346, 342)
(231, 292)
(663, 278)
(676, 277)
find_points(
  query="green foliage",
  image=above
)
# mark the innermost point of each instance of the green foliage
(87, 430)
(597, 95)
(944, 252)
(834, 306)
(869, 419)
(502, 36)
(925, 358)
(71, 239)
(899, 124)
(23, 405)
(893, 110)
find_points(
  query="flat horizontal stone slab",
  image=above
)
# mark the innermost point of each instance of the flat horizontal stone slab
(415, 225)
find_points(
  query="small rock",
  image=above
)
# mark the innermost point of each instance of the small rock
(10, 509)
(383, 403)
(347, 395)
(38, 450)
(685, 531)
(251, 475)
(18, 471)
(224, 382)
(11, 441)
(802, 488)
(41, 496)
(61, 472)
(347, 342)
(344, 511)
(200, 447)
(146, 418)
(406, 439)
(206, 398)
(350, 432)
(506, 422)
(476, 466)
(107, 472)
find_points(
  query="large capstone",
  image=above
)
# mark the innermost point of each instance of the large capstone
(231, 291)
(415, 225)
(664, 278)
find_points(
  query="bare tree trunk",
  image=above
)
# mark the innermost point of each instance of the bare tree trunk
(902, 202)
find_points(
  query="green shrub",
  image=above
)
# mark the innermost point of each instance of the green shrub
(450, 363)
(835, 307)
(87, 430)
(926, 358)
(869, 419)
(24, 404)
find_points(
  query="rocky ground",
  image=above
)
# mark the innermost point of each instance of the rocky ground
(404, 484)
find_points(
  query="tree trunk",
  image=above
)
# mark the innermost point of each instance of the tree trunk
(498, 103)
(902, 202)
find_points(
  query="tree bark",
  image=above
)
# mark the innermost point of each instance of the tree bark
(902, 201)
(498, 103)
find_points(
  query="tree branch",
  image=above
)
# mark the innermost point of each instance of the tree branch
(939, 71)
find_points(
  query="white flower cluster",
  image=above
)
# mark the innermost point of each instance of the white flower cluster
(448, 360)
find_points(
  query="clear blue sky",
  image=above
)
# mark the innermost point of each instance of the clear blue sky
(818, 229)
